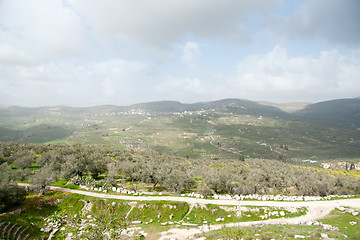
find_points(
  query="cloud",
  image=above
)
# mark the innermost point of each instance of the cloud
(39, 31)
(101, 82)
(336, 21)
(191, 54)
(160, 24)
(186, 89)
(275, 76)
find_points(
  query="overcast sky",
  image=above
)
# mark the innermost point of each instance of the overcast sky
(91, 52)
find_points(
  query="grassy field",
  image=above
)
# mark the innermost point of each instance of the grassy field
(337, 219)
(70, 212)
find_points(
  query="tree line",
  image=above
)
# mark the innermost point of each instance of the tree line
(95, 164)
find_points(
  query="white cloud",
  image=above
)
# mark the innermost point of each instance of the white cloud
(39, 31)
(191, 54)
(336, 21)
(275, 76)
(88, 84)
(161, 23)
(184, 89)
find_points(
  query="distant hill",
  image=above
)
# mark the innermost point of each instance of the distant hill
(160, 107)
(240, 106)
(343, 113)
(218, 129)
(287, 107)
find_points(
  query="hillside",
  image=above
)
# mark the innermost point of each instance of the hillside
(343, 113)
(225, 128)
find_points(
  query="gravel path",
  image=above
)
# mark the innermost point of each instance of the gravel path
(316, 209)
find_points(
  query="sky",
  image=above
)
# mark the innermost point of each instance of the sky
(89, 52)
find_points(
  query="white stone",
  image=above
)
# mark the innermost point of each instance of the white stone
(189, 224)
(299, 236)
(324, 235)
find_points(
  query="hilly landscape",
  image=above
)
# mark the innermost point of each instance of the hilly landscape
(168, 170)
(219, 129)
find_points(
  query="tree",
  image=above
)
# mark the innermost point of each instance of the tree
(112, 173)
(10, 193)
(156, 171)
(43, 178)
(23, 160)
(179, 179)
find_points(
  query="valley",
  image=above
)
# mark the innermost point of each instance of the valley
(205, 160)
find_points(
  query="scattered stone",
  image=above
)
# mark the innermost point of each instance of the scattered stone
(189, 224)
(299, 236)
(53, 233)
(324, 235)
(330, 228)
(282, 213)
(136, 222)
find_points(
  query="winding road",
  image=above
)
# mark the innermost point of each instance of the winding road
(316, 209)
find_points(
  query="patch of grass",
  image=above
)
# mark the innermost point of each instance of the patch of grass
(35, 166)
(36, 208)
(342, 221)
(60, 183)
(272, 232)
(159, 211)
(216, 214)
(71, 186)
(336, 218)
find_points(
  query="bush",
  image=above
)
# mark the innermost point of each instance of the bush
(10, 196)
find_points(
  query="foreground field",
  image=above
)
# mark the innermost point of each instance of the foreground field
(165, 217)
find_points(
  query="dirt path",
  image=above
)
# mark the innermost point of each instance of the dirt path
(316, 209)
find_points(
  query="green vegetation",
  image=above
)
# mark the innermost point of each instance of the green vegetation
(231, 146)
(99, 166)
(336, 219)
(10, 193)
(342, 220)
(272, 232)
(215, 214)
(238, 127)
